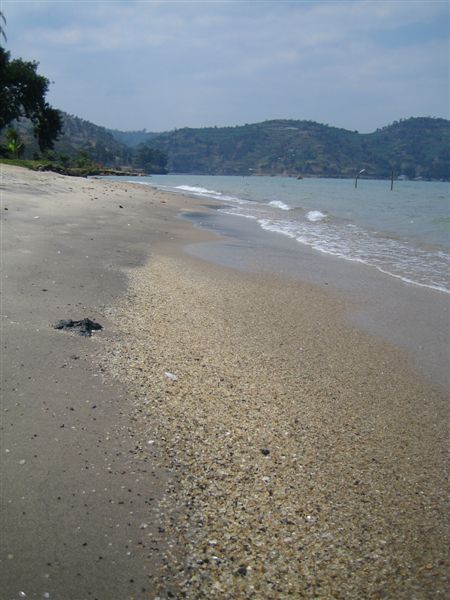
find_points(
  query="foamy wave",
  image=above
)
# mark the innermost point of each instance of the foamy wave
(392, 257)
(315, 215)
(197, 190)
(284, 227)
(206, 193)
(279, 204)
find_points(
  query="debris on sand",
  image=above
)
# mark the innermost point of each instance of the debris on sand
(83, 327)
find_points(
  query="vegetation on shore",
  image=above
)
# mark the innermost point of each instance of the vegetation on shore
(22, 95)
(90, 169)
(85, 148)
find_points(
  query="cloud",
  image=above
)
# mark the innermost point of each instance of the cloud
(168, 64)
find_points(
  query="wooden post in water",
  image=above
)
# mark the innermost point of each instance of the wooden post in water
(392, 180)
(356, 180)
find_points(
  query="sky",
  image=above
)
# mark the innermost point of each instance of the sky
(162, 65)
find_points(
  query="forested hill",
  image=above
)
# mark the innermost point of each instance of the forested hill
(86, 145)
(415, 147)
(79, 136)
(133, 138)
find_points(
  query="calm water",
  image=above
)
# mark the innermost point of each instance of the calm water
(404, 233)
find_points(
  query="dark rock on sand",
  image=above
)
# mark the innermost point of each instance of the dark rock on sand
(83, 327)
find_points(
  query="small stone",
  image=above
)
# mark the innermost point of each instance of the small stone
(22, 462)
(242, 571)
(265, 451)
(171, 376)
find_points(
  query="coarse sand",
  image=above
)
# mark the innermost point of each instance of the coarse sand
(227, 435)
(306, 458)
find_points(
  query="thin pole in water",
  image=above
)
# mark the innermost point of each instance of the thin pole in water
(392, 180)
(356, 180)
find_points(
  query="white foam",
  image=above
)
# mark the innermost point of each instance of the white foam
(197, 190)
(237, 212)
(278, 227)
(279, 204)
(206, 193)
(315, 215)
(388, 256)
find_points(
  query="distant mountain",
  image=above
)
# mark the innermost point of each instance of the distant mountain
(132, 138)
(415, 147)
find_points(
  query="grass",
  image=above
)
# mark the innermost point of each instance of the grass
(27, 164)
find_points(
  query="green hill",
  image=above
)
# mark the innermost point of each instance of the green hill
(416, 147)
(79, 137)
(132, 138)
(84, 144)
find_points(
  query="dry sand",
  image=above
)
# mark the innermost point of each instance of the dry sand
(271, 449)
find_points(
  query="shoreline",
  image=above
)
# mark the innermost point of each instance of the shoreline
(412, 317)
(348, 497)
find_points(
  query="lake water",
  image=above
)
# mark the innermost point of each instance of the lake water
(404, 233)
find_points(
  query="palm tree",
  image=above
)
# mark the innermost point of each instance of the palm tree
(2, 30)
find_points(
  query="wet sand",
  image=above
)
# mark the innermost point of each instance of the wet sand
(79, 513)
(415, 319)
(247, 440)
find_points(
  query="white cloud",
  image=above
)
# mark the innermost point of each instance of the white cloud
(163, 62)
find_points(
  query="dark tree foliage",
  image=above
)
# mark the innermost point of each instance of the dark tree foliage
(22, 94)
(150, 159)
(47, 126)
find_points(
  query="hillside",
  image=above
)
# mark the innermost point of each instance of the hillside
(132, 138)
(416, 147)
(80, 137)
(91, 147)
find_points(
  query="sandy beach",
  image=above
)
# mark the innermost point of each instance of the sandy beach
(229, 434)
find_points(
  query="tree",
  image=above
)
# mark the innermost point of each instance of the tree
(14, 143)
(150, 159)
(22, 94)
